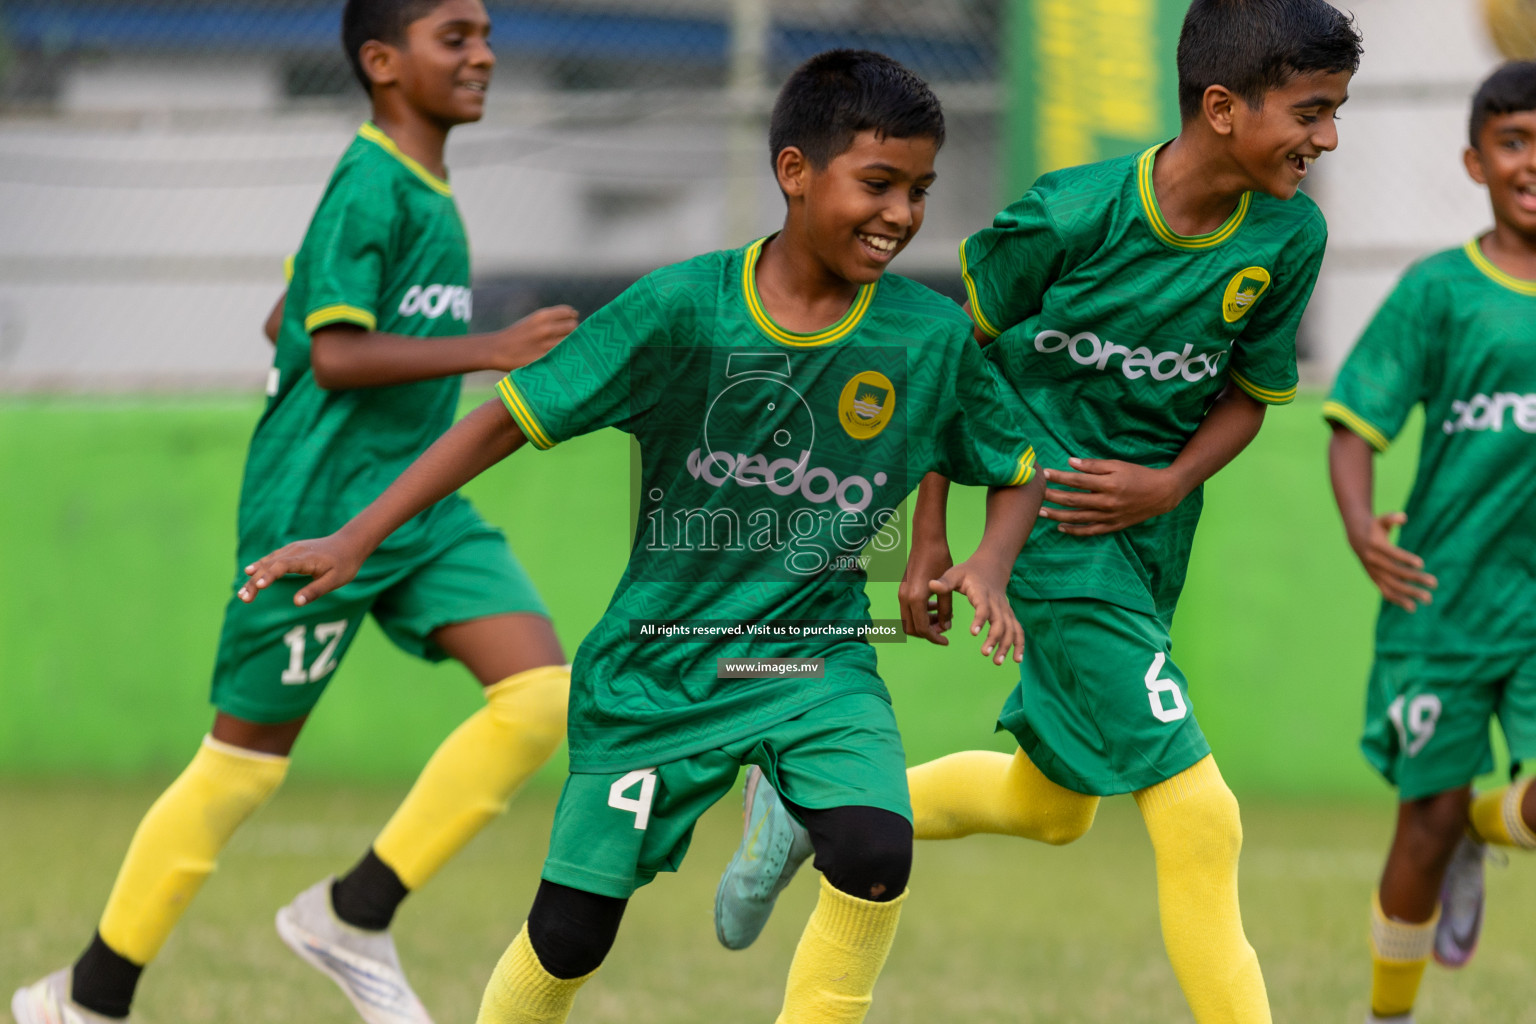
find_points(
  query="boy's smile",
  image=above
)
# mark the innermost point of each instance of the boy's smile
(1276, 143)
(867, 203)
(1505, 162)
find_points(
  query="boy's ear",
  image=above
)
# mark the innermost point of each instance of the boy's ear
(1473, 160)
(379, 62)
(792, 169)
(1217, 108)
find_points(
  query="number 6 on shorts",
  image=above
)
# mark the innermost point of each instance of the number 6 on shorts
(1157, 687)
(640, 805)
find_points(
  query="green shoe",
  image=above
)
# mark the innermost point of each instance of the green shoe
(773, 846)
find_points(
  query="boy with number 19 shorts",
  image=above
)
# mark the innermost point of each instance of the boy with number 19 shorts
(1144, 312)
(1456, 638)
(370, 341)
(784, 397)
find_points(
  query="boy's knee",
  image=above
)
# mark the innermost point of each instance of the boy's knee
(1429, 828)
(1068, 821)
(571, 930)
(863, 851)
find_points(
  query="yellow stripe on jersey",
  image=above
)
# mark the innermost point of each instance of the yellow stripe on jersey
(1269, 396)
(1342, 413)
(825, 336)
(527, 422)
(1026, 468)
(288, 262)
(1515, 284)
(1160, 227)
(370, 131)
(340, 313)
(970, 293)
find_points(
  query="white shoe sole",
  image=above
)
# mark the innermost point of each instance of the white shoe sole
(311, 950)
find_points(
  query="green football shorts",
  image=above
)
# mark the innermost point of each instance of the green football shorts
(1427, 717)
(1100, 707)
(613, 832)
(275, 659)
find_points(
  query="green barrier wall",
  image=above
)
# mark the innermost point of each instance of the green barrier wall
(116, 558)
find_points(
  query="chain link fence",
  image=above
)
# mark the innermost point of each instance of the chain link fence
(159, 158)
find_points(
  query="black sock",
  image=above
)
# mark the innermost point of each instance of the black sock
(103, 982)
(368, 895)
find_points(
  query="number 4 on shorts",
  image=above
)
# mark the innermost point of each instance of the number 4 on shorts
(639, 806)
(1157, 687)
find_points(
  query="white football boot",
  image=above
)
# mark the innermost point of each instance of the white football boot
(362, 962)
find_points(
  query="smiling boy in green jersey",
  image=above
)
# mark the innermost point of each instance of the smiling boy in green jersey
(1457, 335)
(370, 342)
(785, 397)
(1144, 312)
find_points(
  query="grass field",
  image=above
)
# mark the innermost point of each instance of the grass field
(995, 930)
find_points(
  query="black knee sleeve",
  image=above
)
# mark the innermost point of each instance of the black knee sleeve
(862, 851)
(572, 930)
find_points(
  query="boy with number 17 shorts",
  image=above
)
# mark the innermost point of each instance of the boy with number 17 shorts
(1456, 638)
(784, 397)
(1143, 312)
(371, 339)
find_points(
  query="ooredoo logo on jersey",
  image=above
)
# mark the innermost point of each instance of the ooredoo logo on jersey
(433, 300)
(1088, 349)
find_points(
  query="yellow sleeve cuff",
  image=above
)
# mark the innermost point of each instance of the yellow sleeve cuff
(522, 412)
(1269, 396)
(977, 315)
(339, 314)
(1342, 414)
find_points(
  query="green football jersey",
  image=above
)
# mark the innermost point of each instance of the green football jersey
(1459, 336)
(386, 251)
(1116, 335)
(769, 460)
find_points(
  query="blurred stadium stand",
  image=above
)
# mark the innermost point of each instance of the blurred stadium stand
(159, 158)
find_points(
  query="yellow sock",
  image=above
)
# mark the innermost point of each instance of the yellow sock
(984, 791)
(521, 991)
(1399, 953)
(844, 946)
(475, 771)
(177, 844)
(1196, 836)
(1497, 817)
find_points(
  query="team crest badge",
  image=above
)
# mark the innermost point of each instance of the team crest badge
(866, 404)
(1242, 292)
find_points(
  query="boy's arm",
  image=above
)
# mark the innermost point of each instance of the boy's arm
(1113, 495)
(274, 321)
(1397, 573)
(474, 444)
(924, 613)
(343, 355)
(983, 578)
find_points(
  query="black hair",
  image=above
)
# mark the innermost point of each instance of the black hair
(1253, 46)
(837, 94)
(383, 20)
(1509, 90)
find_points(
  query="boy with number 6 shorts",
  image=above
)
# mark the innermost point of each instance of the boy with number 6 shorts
(784, 396)
(1144, 312)
(371, 340)
(1456, 637)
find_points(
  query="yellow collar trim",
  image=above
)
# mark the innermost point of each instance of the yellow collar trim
(1160, 227)
(827, 335)
(1515, 284)
(371, 132)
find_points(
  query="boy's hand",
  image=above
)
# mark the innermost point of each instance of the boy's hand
(1112, 495)
(1398, 574)
(330, 560)
(531, 337)
(986, 587)
(924, 611)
